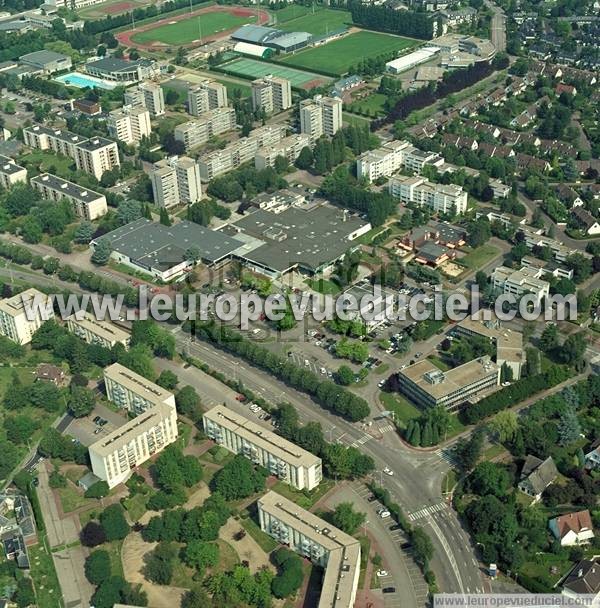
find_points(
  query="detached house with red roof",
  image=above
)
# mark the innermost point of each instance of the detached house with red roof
(565, 88)
(572, 528)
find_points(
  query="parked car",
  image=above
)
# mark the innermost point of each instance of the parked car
(371, 498)
(388, 471)
(395, 527)
(383, 513)
(389, 590)
(382, 573)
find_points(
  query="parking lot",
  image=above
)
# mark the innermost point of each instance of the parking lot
(86, 431)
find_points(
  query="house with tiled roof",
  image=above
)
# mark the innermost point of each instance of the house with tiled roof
(569, 89)
(521, 121)
(584, 579)
(572, 528)
(568, 196)
(587, 222)
(537, 475)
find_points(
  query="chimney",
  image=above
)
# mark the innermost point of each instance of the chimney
(580, 573)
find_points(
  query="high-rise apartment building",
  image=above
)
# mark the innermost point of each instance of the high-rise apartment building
(208, 95)
(96, 156)
(86, 204)
(176, 180)
(133, 392)
(194, 133)
(129, 124)
(271, 94)
(115, 457)
(282, 458)
(288, 148)
(320, 116)
(148, 95)
(94, 331)
(23, 314)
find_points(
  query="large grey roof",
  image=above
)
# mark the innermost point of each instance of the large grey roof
(290, 39)
(113, 64)
(539, 473)
(43, 57)
(255, 33)
(156, 246)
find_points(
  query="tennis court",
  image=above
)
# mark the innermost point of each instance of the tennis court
(251, 69)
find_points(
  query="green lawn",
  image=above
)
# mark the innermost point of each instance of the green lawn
(404, 409)
(354, 119)
(304, 500)
(114, 551)
(136, 506)
(439, 363)
(243, 88)
(189, 30)
(44, 161)
(228, 557)
(339, 56)
(480, 256)
(323, 286)
(292, 11)
(323, 21)
(541, 569)
(373, 105)
(45, 582)
(71, 500)
(266, 542)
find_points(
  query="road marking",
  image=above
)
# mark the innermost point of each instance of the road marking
(360, 441)
(427, 511)
(386, 429)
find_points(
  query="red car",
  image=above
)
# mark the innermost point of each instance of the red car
(241, 398)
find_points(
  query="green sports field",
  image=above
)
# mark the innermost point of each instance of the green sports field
(252, 69)
(188, 30)
(339, 56)
(323, 21)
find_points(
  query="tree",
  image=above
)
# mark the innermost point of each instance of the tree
(290, 576)
(422, 547)
(195, 598)
(102, 252)
(99, 490)
(24, 595)
(468, 451)
(92, 535)
(549, 338)
(188, 402)
(160, 563)
(489, 478)
(81, 401)
(305, 158)
(113, 522)
(167, 379)
(201, 555)
(165, 220)
(344, 375)
(482, 280)
(569, 428)
(19, 429)
(504, 425)
(238, 479)
(98, 567)
(573, 349)
(346, 518)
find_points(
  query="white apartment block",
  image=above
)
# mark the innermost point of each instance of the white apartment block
(176, 180)
(94, 156)
(239, 152)
(320, 116)
(15, 322)
(133, 392)
(94, 331)
(280, 457)
(208, 95)
(312, 537)
(289, 147)
(271, 94)
(115, 457)
(441, 198)
(129, 124)
(381, 162)
(10, 172)
(194, 133)
(520, 282)
(86, 204)
(148, 95)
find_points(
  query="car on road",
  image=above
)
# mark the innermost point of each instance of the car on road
(388, 471)
(97, 419)
(383, 513)
(382, 573)
(419, 354)
(388, 590)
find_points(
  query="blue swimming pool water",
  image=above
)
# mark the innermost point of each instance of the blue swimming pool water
(76, 79)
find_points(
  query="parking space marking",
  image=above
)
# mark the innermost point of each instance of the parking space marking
(427, 511)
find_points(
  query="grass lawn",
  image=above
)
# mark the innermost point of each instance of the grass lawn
(449, 481)
(46, 585)
(354, 119)
(112, 7)
(114, 550)
(541, 569)
(71, 500)
(403, 409)
(292, 11)
(136, 506)
(439, 363)
(45, 160)
(384, 367)
(322, 22)
(494, 451)
(228, 557)
(231, 86)
(365, 548)
(266, 542)
(371, 105)
(339, 56)
(480, 256)
(188, 30)
(304, 500)
(323, 286)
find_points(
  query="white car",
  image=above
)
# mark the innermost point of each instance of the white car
(381, 573)
(381, 383)
(388, 471)
(323, 371)
(383, 513)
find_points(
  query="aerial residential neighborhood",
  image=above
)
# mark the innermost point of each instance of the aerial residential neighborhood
(299, 302)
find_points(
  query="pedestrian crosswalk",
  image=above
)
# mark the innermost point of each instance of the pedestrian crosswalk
(387, 428)
(360, 441)
(427, 511)
(447, 456)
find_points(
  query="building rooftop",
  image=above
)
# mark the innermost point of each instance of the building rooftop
(104, 329)
(156, 246)
(262, 437)
(69, 188)
(137, 384)
(539, 473)
(16, 304)
(255, 33)
(112, 64)
(438, 384)
(42, 57)
(96, 143)
(8, 166)
(131, 430)
(583, 578)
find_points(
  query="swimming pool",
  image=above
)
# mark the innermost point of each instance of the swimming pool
(80, 81)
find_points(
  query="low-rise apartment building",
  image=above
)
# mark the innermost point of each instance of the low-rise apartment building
(86, 204)
(94, 331)
(238, 152)
(176, 181)
(289, 148)
(381, 162)
(271, 94)
(321, 116)
(312, 537)
(441, 198)
(58, 140)
(208, 95)
(428, 386)
(133, 392)
(194, 133)
(129, 124)
(15, 322)
(521, 282)
(148, 95)
(115, 457)
(10, 172)
(282, 458)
